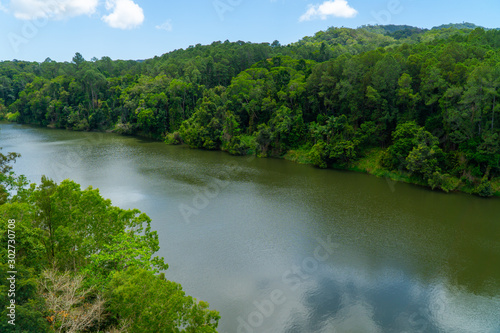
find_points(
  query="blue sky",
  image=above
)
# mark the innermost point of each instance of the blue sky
(139, 29)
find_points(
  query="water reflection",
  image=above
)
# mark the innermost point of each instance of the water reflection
(390, 302)
(408, 259)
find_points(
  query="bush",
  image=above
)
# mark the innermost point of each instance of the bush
(441, 181)
(318, 155)
(13, 117)
(124, 129)
(484, 189)
(236, 146)
(173, 138)
(151, 304)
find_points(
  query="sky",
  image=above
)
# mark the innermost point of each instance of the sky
(34, 30)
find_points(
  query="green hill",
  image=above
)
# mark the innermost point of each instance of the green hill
(414, 104)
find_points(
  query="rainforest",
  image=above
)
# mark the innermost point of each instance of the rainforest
(410, 104)
(251, 234)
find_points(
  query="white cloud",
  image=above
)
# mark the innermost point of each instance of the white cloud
(337, 8)
(167, 26)
(54, 9)
(126, 14)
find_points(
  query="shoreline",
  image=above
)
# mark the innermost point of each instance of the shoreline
(368, 164)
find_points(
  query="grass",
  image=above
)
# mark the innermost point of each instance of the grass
(299, 155)
(495, 184)
(249, 140)
(370, 164)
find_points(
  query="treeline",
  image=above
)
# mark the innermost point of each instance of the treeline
(72, 262)
(414, 102)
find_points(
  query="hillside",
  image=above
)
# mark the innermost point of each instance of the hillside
(459, 26)
(413, 104)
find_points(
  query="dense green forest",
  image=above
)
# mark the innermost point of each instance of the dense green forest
(81, 265)
(412, 104)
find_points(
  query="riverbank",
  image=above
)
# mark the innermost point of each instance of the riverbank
(370, 164)
(248, 220)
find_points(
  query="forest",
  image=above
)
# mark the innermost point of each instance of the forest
(78, 264)
(414, 105)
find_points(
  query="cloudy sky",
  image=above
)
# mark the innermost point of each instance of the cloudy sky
(139, 29)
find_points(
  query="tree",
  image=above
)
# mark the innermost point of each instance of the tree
(403, 139)
(426, 156)
(7, 179)
(78, 60)
(71, 307)
(407, 98)
(94, 81)
(204, 128)
(247, 93)
(343, 152)
(263, 138)
(78, 248)
(77, 224)
(433, 86)
(319, 155)
(29, 245)
(480, 95)
(146, 119)
(286, 128)
(164, 307)
(30, 307)
(385, 77)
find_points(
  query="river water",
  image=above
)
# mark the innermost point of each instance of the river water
(281, 247)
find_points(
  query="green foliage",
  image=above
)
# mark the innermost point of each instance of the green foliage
(263, 139)
(127, 250)
(352, 89)
(204, 128)
(369, 134)
(30, 246)
(426, 156)
(403, 143)
(484, 189)
(152, 304)
(173, 138)
(8, 181)
(318, 155)
(72, 249)
(30, 309)
(464, 25)
(443, 182)
(13, 117)
(343, 152)
(417, 151)
(78, 225)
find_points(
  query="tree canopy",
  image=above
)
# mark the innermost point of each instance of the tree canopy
(337, 96)
(84, 265)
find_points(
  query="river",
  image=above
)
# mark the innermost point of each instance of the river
(281, 247)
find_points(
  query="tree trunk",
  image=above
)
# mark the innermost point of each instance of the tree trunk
(493, 112)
